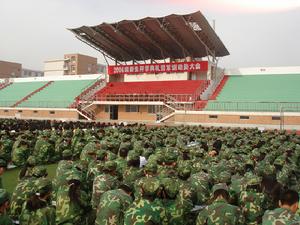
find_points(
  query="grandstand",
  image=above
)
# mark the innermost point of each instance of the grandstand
(16, 91)
(254, 93)
(166, 72)
(60, 94)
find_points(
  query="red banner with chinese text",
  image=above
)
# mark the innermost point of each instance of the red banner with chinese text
(175, 67)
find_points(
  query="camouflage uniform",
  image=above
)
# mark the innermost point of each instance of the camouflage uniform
(280, 216)
(44, 151)
(3, 164)
(69, 212)
(220, 212)
(4, 218)
(20, 153)
(5, 147)
(45, 215)
(252, 202)
(23, 191)
(112, 206)
(104, 182)
(144, 211)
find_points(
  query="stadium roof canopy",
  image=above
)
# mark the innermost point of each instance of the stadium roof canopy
(173, 36)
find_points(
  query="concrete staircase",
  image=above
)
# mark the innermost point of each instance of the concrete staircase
(84, 102)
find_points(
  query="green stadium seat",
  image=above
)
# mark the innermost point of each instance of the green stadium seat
(60, 94)
(265, 93)
(16, 91)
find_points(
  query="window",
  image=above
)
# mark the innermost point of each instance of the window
(213, 117)
(244, 117)
(152, 109)
(275, 117)
(35, 111)
(73, 59)
(51, 112)
(132, 108)
(20, 111)
(89, 69)
(6, 110)
(107, 107)
(73, 68)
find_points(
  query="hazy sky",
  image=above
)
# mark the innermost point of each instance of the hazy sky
(256, 32)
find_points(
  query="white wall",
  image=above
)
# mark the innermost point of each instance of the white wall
(54, 67)
(263, 70)
(53, 73)
(155, 77)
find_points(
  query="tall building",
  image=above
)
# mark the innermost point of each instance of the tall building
(10, 69)
(72, 64)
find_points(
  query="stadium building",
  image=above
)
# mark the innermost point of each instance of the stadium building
(162, 70)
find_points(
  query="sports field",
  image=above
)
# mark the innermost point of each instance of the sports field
(10, 177)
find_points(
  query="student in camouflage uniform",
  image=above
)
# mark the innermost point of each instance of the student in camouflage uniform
(112, 206)
(72, 203)
(220, 211)
(252, 201)
(44, 150)
(132, 172)
(286, 213)
(6, 144)
(3, 165)
(20, 153)
(104, 182)
(146, 210)
(37, 210)
(25, 188)
(4, 206)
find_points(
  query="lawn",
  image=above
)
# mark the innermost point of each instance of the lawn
(10, 177)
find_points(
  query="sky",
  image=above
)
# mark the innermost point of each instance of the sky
(256, 32)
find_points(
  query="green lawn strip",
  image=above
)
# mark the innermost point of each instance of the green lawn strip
(10, 177)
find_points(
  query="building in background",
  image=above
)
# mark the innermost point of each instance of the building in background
(101, 68)
(54, 68)
(72, 64)
(32, 73)
(10, 69)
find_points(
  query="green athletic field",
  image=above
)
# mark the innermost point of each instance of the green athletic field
(10, 177)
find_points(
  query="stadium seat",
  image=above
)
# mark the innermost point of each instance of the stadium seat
(60, 94)
(16, 91)
(173, 88)
(258, 93)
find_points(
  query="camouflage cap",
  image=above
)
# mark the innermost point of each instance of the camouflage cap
(184, 171)
(110, 166)
(280, 160)
(150, 186)
(170, 157)
(132, 155)
(171, 188)
(253, 180)
(43, 186)
(67, 153)
(3, 163)
(4, 196)
(126, 137)
(32, 161)
(101, 154)
(220, 186)
(223, 177)
(39, 171)
(151, 167)
(74, 175)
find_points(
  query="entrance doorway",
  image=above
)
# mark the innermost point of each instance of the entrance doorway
(113, 112)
